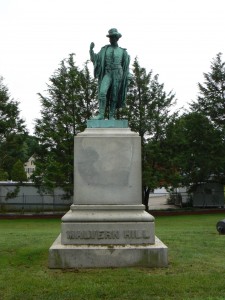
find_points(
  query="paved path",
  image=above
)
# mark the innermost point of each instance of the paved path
(159, 202)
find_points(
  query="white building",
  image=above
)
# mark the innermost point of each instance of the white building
(29, 167)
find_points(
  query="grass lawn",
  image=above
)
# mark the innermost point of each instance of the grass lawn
(196, 264)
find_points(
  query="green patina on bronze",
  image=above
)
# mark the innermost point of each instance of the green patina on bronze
(111, 68)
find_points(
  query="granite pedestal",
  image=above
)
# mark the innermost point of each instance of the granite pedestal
(107, 226)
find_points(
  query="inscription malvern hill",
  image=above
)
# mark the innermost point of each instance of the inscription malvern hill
(107, 234)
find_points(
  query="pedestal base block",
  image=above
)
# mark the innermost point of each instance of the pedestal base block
(104, 256)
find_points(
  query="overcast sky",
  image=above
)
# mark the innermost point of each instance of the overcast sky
(177, 39)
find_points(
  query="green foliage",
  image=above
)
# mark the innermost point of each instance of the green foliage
(138, 100)
(89, 89)
(9, 114)
(12, 133)
(211, 101)
(16, 147)
(14, 193)
(208, 128)
(29, 147)
(149, 112)
(196, 149)
(3, 175)
(148, 104)
(18, 172)
(64, 113)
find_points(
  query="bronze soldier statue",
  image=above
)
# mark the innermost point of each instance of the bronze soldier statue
(111, 67)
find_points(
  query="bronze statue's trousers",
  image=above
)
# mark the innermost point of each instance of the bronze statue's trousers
(111, 80)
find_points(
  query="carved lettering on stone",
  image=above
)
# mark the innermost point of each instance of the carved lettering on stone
(107, 234)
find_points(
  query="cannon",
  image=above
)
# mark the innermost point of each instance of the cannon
(220, 226)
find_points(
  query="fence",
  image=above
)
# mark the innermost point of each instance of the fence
(57, 203)
(200, 198)
(35, 203)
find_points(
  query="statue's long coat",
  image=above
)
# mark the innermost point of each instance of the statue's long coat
(99, 72)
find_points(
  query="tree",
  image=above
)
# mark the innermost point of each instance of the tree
(148, 111)
(3, 175)
(17, 147)
(89, 88)
(138, 101)
(196, 150)
(18, 172)
(64, 113)
(211, 99)
(10, 122)
(30, 147)
(210, 104)
(12, 131)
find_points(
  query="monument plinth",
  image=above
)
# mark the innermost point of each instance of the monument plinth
(107, 226)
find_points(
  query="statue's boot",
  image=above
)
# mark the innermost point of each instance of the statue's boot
(101, 115)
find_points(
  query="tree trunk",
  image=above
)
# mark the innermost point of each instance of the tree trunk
(145, 196)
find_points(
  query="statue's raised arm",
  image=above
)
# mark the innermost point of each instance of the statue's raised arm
(92, 45)
(111, 67)
(92, 54)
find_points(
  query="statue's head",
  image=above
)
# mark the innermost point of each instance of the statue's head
(113, 32)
